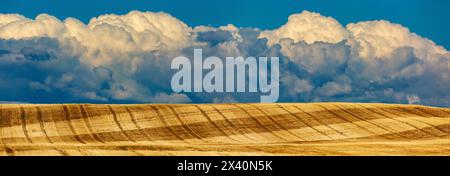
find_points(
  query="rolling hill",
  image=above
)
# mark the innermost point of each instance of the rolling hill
(224, 129)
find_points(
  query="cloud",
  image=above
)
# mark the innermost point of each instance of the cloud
(105, 36)
(309, 27)
(380, 38)
(172, 98)
(295, 86)
(126, 58)
(413, 99)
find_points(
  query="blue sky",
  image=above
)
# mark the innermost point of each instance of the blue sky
(428, 18)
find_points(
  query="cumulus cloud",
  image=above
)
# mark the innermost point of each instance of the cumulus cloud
(380, 38)
(309, 27)
(105, 36)
(126, 58)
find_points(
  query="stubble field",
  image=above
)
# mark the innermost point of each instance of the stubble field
(224, 129)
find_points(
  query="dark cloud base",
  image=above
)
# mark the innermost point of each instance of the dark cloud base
(42, 70)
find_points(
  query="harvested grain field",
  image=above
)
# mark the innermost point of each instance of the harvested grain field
(224, 129)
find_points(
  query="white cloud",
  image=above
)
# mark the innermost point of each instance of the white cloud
(380, 38)
(109, 34)
(309, 27)
(127, 58)
(413, 99)
(370, 39)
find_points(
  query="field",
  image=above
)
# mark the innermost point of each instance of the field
(224, 129)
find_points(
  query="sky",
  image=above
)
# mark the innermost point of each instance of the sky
(428, 18)
(106, 51)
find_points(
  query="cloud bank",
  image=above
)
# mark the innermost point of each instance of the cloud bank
(126, 59)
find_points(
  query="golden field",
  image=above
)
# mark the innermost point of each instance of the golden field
(224, 129)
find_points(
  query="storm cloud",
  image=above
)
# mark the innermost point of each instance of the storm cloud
(126, 59)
